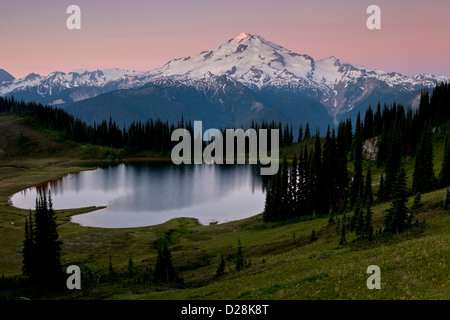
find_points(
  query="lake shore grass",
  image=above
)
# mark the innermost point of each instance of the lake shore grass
(282, 261)
(284, 265)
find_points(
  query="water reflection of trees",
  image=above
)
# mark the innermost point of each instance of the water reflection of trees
(158, 186)
(56, 185)
(166, 186)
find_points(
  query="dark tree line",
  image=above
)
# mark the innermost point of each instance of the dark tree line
(42, 248)
(318, 182)
(150, 135)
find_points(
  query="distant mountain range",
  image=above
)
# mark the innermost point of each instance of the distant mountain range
(246, 78)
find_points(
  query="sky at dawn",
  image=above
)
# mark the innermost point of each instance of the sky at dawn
(143, 35)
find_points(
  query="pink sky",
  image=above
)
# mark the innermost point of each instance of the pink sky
(143, 35)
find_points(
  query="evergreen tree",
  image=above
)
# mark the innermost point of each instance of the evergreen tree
(164, 270)
(268, 214)
(112, 274)
(316, 179)
(130, 268)
(273, 202)
(313, 237)
(221, 268)
(357, 223)
(393, 161)
(240, 262)
(277, 204)
(343, 240)
(331, 219)
(396, 218)
(409, 135)
(28, 251)
(111, 271)
(348, 134)
(341, 171)
(417, 201)
(423, 177)
(293, 186)
(291, 136)
(444, 175)
(424, 106)
(48, 246)
(368, 193)
(307, 132)
(378, 121)
(357, 188)
(330, 174)
(368, 129)
(368, 224)
(300, 134)
(447, 199)
(301, 207)
(284, 192)
(380, 195)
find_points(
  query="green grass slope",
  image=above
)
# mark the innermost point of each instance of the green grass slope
(282, 262)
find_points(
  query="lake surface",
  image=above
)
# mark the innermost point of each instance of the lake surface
(143, 194)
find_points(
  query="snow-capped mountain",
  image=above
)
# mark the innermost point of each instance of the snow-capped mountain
(295, 85)
(259, 64)
(49, 89)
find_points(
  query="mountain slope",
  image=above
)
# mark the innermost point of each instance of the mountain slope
(60, 88)
(261, 64)
(5, 77)
(232, 104)
(283, 84)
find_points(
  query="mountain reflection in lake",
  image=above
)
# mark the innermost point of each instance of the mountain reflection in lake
(142, 194)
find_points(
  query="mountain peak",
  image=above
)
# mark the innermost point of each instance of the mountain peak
(247, 59)
(241, 37)
(32, 76)
(5, 76)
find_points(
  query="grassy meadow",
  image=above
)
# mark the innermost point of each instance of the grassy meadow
(282, 262)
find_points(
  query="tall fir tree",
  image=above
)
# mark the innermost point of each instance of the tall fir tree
(359, 222)
(380, 194)
(447, 199)
(111, 271)
(396, 219)
(368, 224)
(164, 270)
(307, 132)
(342, 171)
(273, 202)
(330, 174)
(316, 178)
(130, 267)
(423, 176)
(221, 267)
(444, 175)
(293, 186)
(239, 260)
(48, 245)
(301, 207)
(357, 187)
(300, 134)
(368, 192)
(368, 129)
(270, 199)
(393, 162)
(284, 192)
(29, 250)
(343, 240)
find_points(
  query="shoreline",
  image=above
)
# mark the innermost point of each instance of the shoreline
(92, 164)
